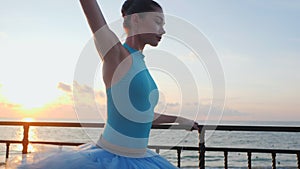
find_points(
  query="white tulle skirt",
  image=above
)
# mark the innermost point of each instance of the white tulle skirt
(90, 156)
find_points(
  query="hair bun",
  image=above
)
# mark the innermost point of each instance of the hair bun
(127, 4)
(136, 6)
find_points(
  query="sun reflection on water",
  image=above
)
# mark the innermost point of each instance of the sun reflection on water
(32, 135)
(30, 148)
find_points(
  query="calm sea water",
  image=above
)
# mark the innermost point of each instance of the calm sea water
(189, 159)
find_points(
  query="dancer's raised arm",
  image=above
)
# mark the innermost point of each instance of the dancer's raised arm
(107, 43)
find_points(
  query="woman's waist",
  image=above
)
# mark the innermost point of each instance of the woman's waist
(123, 149)
(118, 143)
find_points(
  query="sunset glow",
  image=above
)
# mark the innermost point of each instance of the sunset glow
(29, 97)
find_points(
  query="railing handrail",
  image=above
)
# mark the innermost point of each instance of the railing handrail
(161, 126)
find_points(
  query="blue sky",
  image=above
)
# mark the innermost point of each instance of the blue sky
(258, 44)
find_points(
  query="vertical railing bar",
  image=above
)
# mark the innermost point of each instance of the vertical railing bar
(178, 157)
(157, 150)
(201, 146)
(226, 159)
(273, 160)
(25, 140)
(298, 159)
(7, 150)
(249, 159)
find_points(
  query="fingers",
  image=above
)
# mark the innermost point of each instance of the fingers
(195, 126)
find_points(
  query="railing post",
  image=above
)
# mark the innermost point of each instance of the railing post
(178, 157)
(298, 159)
(157, 150)
(25, 140)
(201, 133)
(7, 150)
(225, 159)
(249, 159)
(273, 160)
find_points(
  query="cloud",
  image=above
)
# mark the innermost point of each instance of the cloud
(9, 105)
(81, 89)
(173, 104)
(90, 104)
(84, 98)
(87, 90)
(64, 87)
(9, 110)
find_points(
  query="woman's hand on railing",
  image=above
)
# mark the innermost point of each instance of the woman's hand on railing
(195, 126)
(190, 124)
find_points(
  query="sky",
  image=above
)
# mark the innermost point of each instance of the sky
(257, 43)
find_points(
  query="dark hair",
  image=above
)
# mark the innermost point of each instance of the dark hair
(138, 6)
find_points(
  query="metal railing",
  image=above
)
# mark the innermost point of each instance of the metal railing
(201, 145)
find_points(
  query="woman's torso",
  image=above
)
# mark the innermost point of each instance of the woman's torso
(130, 107)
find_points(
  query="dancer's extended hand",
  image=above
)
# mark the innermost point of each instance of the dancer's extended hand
(190, 124)
(195, 126)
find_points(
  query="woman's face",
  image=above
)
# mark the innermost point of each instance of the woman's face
(149, 27)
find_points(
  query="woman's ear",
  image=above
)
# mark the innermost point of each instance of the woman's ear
(126, 23)
(134, 22)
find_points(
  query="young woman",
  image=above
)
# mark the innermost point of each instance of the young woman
(131, 94)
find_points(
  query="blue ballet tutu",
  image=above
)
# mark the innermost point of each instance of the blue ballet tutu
(90, 156)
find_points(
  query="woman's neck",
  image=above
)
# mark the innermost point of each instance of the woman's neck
(134, 42)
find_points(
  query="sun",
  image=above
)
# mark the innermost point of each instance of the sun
(28, 119)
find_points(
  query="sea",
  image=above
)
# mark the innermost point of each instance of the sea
(169, 137)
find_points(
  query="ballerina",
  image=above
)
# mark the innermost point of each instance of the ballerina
(131, 94)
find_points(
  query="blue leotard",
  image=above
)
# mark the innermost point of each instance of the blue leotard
(130, 108)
